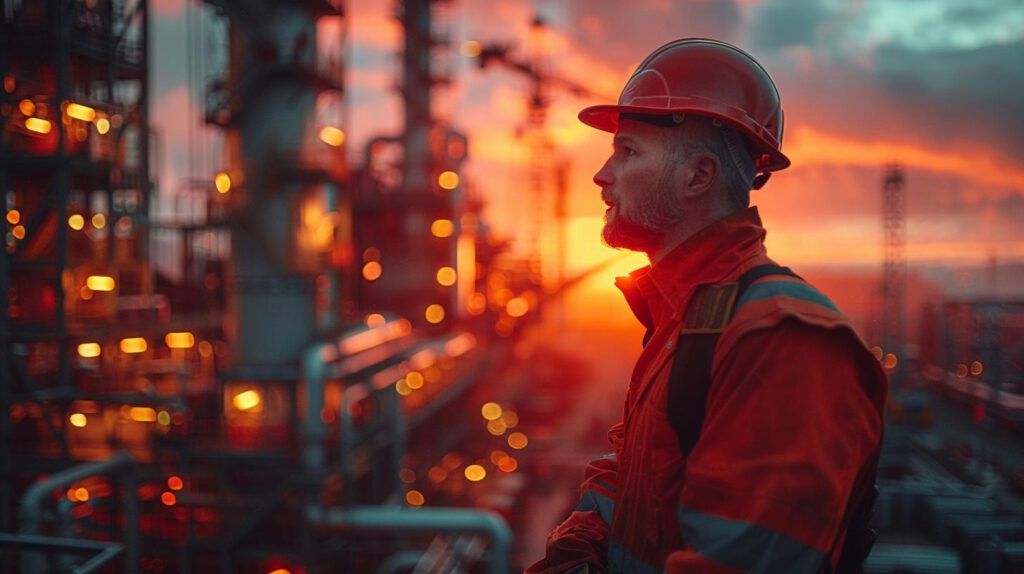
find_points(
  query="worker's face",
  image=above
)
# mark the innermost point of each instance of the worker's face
(638, 184)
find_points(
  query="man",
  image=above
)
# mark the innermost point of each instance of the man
(753, 419)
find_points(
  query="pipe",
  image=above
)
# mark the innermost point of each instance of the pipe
(394, 519)
(314, 431)
(35, 496)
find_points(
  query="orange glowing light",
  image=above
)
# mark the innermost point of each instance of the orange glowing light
(977, 368)
(961, 370)
(470, 48)
(85, 293)
(175, 483)
(508, 464)
(402, 387)
(142, 414)
(446, 276)
(371, 254)
(168, 498)
(27, 107)
(877, 352)
(372, 271)
(375, 320)
(414, 380)
(448, 180)
(359, 342)
(133, 345)
(37, 125)
(517, 440)
(18, 232)
(517, 307)
(510, 418)
(442, 228)
(99, 221)
(496, 427)
(9, 83)
(13, 216)
(102, 126)
(100, 283)
(434, 313)
(497, 456)
(437, 474)
(332, 136)
(890, 361)
(82, 495)
(183, 340)
(246, 400)
(222, 181)
(477, 303)
(78, 420)
(281, 571)
(76, 222)
(491, 411)
(414, 498)
(407, 475)
(80, 112)
(460, 345)
(475, 472)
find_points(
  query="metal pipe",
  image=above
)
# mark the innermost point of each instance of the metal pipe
(314, 431)
(424, 520)
(35, 496)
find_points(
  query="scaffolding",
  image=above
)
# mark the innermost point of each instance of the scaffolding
(894, 267)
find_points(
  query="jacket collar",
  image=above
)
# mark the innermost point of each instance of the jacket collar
(657, 293)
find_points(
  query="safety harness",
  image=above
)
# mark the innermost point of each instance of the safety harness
(690, 379)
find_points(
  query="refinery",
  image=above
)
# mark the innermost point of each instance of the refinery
(311, 358)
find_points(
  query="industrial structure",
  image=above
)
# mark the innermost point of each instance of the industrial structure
(313, 361)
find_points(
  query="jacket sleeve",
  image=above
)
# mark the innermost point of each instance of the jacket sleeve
(792, 426)
(580, 543)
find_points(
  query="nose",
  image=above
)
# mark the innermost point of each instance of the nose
(603, 177)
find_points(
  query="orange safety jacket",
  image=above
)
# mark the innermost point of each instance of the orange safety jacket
(792, 428)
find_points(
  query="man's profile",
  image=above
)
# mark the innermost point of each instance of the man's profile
(753, 419)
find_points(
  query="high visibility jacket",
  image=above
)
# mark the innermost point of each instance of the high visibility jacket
(792, 427)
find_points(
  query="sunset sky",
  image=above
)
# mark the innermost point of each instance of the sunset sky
(934, 84)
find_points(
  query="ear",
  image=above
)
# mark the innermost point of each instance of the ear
(703, 172)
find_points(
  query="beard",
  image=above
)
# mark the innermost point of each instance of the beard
(654, 214)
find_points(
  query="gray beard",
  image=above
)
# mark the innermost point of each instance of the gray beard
(656, 214)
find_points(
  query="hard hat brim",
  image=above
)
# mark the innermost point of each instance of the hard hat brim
(605, 117)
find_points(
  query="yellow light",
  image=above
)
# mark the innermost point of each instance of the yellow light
(281, 571)
(477, 303)
(448, 180)
(102, 125)
(517, 440)
(246, 400)
(27, 107)
(89, 350)
(99, 221)
(13, 216)
(414, 498)
(38, 125)
(100, 283)
(82, 495)
(168, 498)
(222, 181)
(18, 232)
(442, 228)
(78, 420)
(517, 307)
(76, 222)
(142, 414)
(402, 387)
(508, 464)
(446, 276)
(414, 380)
(175, 483)
(475, 472)
(434, 313)
(183, 340)
(80, 112)
(491, 411)
(332, 136)
(510, 418)
(133, 345)
(496, 427)
(470, 48)
(375, 320)
(977, 368)
(372, 271)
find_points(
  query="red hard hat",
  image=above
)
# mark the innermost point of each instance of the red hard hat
(707, 78)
